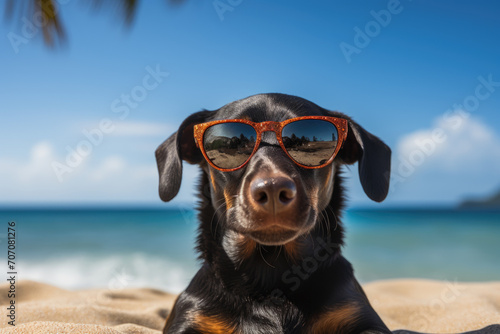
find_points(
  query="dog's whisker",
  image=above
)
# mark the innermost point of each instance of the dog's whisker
(334, 217)
(263, 258)
(215, 212)
(321, 221)
(327, 222)
(280, 247)
(214, 216)
(326, 219)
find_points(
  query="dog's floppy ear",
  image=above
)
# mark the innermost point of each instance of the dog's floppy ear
(169, 155)
(374, 160)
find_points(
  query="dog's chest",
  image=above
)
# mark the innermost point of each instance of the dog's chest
(271, 319)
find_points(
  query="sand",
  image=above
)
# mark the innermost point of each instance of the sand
(420, 305)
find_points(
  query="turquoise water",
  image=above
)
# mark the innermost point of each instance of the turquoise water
(115, 248)
(439, 244)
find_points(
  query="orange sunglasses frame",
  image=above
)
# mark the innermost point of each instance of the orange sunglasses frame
(277, 128)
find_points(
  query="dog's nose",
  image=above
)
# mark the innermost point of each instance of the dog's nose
(273, 194)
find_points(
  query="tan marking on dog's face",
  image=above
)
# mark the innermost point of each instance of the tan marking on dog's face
(213, 325)
(229, 199)
(335, 320)
(212, 179)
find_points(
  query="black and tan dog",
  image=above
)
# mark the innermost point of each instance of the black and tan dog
(270, 236)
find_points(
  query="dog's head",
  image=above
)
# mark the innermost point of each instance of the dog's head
(272, 200)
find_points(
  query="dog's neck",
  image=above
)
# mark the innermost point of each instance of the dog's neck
(270, 267)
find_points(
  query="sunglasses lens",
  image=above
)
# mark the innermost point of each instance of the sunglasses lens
(310, 142)
(229, 145)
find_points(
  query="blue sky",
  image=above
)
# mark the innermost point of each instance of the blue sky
(422, 75)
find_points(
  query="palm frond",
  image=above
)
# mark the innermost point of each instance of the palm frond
(48, 12)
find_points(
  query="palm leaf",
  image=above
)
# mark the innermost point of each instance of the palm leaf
(48, 12)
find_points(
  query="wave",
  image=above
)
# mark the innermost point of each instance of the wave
(117, 271)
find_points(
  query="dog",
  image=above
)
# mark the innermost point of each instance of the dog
(270, 233)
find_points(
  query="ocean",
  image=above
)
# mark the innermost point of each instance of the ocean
(150, 247)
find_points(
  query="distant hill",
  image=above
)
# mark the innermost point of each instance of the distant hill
(492, 202)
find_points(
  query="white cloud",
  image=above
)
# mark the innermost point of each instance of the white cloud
(141, 129)
(112, 165)
(458, 157)
(451, 146)
(36, 168)
(100, 178)
(111, 179)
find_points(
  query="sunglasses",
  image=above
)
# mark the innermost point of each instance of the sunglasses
(310, 141)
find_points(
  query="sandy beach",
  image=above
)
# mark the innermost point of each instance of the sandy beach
(420, 305)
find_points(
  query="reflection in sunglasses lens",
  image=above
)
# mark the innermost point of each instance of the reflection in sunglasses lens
(310, 142)
(229, 145)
